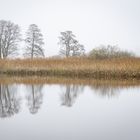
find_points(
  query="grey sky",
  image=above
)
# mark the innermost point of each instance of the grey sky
(94, 22)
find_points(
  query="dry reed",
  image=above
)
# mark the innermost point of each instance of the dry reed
(126, 68)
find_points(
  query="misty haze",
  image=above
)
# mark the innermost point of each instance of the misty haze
(69, 69)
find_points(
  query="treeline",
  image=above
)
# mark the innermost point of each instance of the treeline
(10, 37)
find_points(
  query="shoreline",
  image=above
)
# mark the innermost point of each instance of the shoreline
(73, 74)
(68, 81)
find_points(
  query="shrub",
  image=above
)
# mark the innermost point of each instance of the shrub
(106, 52)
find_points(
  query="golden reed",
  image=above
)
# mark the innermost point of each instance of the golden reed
(125, 68)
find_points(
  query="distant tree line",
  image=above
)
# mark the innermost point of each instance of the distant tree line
(10, 37)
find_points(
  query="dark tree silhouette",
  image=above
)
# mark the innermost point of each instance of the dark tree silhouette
(9, 38)
(34, 42)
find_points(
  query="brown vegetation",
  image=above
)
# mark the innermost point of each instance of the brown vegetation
(125, 68)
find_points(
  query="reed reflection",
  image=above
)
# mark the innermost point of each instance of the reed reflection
(70, 93)
(34, 98)
(9, 100)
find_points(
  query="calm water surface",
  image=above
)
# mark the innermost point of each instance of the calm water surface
(69, 112)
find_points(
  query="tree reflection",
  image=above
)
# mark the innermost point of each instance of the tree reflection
(70, 93)
(34, 98)
(9, 100)
(104, 90)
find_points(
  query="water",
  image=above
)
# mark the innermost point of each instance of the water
(69, 112)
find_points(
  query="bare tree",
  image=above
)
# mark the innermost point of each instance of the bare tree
(69, 45)
(9, 38)
(34, 41)
(66, 39)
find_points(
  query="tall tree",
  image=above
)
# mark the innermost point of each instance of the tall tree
(34, 41)
(9, 38)
(66, 40)
(69, 45)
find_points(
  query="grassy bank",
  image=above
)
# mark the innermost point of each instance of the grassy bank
(125, 68)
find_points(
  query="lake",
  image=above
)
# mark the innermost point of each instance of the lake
(69, 111)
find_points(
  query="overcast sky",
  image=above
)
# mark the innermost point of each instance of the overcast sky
(94, 22)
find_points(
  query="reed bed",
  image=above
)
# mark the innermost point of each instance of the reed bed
(125, 68)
